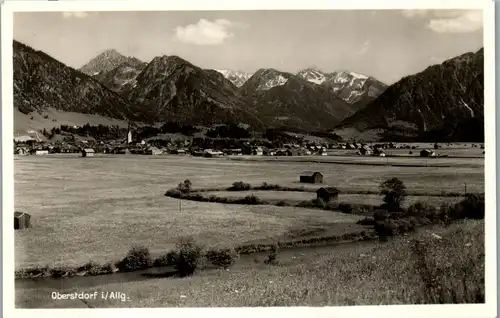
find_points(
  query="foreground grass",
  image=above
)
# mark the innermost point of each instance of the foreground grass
(368, 274)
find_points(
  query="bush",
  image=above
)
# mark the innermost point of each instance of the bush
(380, 215)
(472, 207)
(251, 199)
(239, 186)
(222, 257)
(345, 208)
(272, 258)
(282, 203)
(167, 259)
(187, 257)
(174, 193)
(93, 269)
(385, 229)
(61, 271)
(137, 258)
(421, 209)
(366, 221)
(185, 187)
(394, 192)
(108, 268)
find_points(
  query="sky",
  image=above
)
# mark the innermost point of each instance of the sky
(385, 44)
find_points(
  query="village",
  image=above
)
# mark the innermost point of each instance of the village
(198, 148)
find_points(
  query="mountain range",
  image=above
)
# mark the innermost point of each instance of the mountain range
(171, 88)
(354, 88)
(441, 101)
(41, 82)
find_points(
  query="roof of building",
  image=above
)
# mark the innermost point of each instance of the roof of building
(18, 214)
(309, 173)
(329, 189)
(88, 150)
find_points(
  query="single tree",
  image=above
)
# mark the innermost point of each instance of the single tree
(394, 192)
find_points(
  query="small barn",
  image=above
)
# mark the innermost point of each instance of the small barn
(311, 177)
(327, 194)
(427, 153)
(88, 152)
(21, 220)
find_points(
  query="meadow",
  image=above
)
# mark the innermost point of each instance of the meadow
(364, 274)
(95, 209)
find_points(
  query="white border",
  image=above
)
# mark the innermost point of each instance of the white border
(454, 311)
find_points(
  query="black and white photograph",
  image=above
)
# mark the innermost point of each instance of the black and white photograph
(265, 157)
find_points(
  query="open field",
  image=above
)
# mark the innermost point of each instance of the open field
(363, 274)
(348, 158)
(96, 208)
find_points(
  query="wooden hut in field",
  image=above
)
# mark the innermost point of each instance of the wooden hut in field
(88, 152)
(21, 220)
(311, 177)
(327, 194)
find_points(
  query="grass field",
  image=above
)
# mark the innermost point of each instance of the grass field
(347, 158)
(96, 208)
(366, 274)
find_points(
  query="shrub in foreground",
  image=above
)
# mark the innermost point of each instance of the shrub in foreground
(222, 257)
(187, 256)
(137, 258)
(167, 259)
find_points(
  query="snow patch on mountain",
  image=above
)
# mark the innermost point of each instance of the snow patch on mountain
(313, 76)
(358, 76)
(238, 78)
(271, 82)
